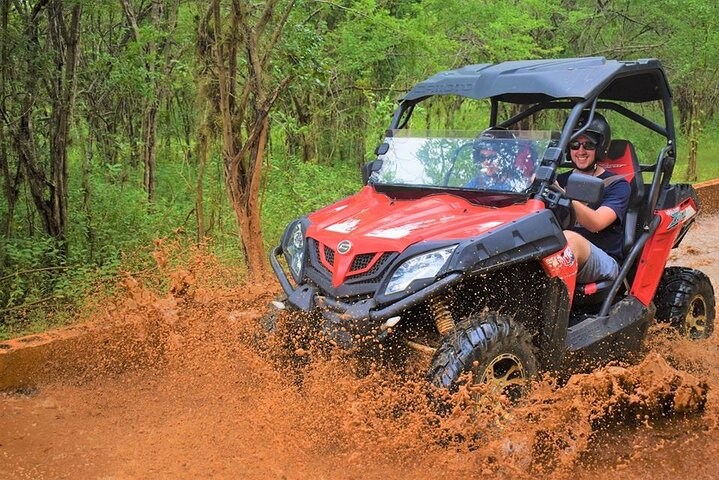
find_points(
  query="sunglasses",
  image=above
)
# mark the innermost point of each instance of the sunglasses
(485, 156)
(589, 146)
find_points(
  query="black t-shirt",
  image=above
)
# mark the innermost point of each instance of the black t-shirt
(616, 197)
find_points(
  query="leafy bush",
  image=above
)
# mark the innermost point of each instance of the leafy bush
(295, 188)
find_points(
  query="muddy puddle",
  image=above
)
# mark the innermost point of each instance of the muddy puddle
(185, 393)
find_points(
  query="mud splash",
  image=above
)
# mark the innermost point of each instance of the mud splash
(182, 393)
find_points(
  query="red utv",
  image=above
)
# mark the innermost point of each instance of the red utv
(461, 255)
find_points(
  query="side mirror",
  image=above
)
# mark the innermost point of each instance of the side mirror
(381, 149)
(584, 188)
(369, 168)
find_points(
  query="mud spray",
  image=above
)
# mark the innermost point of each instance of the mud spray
(176, 387)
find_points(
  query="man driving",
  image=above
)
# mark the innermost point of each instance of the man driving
(597, 236)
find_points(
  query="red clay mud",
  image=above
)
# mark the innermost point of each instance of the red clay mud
(175, 388)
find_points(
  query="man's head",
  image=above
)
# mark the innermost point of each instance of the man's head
(489, 145)
(592, 143)
(484, 152)
(583, 151)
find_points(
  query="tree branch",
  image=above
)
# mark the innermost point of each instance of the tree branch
(277, 33)
(264, 19)
(626, 48)
(263, 111)
(33, 270)
(132, 20)
(36, 9)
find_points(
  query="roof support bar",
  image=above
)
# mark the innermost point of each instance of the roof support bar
(494, 112)
(561, 105)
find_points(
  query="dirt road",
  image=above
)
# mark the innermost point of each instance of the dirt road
(209, 406)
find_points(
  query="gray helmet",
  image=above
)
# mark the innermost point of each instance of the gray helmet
(598, 130)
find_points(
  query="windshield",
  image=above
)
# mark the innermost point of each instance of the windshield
(493, 160)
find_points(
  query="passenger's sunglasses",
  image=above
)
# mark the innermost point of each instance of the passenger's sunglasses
(482, 157)
(587, 145)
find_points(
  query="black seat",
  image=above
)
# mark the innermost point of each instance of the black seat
(621, 160)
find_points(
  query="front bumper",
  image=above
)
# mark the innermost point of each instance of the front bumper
(349, 324)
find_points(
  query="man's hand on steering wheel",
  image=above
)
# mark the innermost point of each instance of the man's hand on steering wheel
(564, 209)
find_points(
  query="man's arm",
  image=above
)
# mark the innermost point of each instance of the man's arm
(593, 220)
(614, 205)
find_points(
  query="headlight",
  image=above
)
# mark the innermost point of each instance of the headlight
(295, 250)
(420, 267)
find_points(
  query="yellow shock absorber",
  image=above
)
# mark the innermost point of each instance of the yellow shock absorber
(442, 316)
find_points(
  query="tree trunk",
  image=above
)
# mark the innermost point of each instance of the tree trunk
(86, 150)
(132, 134)
(244, 116)
(695, 129)
(152, 105)
(11, 186)
(11, 181)
(23, 133)
(685, 106)
(65, 42)
(149, 139)
(202, 146)
(26, 148)
(149, 122)
(301, 140)
(246, 207)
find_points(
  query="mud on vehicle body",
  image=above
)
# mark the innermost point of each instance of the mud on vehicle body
(455, 247)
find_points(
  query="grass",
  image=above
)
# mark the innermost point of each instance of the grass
(707, 162)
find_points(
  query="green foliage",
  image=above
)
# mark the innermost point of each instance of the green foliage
(31, 256)
(348, 61)
(494, 30)
(295, 188)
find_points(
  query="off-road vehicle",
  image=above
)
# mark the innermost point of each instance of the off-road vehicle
(462, 256)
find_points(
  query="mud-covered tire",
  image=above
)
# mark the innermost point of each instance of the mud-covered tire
(266, 329)
(268, 322)
(489, 345)
(685, 299)
(287, 338)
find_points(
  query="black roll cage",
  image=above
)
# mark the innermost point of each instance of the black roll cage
(554, 157)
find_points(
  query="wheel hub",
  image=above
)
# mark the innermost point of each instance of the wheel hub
(505, 374)
(696, 319)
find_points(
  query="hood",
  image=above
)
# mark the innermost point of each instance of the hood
(373, 223)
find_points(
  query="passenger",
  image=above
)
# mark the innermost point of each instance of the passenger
(491, 156)
(597, 236)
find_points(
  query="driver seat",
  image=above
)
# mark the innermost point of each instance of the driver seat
(622, 160)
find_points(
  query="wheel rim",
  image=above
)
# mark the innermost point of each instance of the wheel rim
(695, 321)
(505, 374)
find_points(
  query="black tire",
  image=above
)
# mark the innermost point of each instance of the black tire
(267, 326)
(685, 299)
(493, 347)
(283, 333)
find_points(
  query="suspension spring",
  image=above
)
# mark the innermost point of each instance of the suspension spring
(442, 316)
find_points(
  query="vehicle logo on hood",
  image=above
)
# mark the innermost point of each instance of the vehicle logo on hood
(344, 246)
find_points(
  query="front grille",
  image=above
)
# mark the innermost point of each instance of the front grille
(315, 258)
(329, 255)
(367, 277)
(357, 284)
(361, 261)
